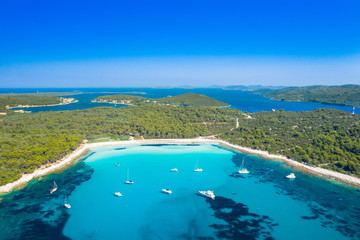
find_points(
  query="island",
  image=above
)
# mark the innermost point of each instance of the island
(9, 101)
(183, 100)
(325, 138)
(348, 95)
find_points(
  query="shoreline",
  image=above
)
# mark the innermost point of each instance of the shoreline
(50, 105)
(83, 148)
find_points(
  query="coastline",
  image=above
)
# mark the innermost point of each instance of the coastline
(50, 105)
(83, 148)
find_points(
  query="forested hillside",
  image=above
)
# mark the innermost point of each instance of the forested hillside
(326, 137)
(31, 140)
(183, 100)
(342, 95)
(13, 100)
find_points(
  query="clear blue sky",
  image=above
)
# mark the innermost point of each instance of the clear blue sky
(174, 43)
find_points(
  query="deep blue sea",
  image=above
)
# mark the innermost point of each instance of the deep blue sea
(242, 100)
(261, 205)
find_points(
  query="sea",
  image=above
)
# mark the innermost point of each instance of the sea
(263, 204)
(242, 100)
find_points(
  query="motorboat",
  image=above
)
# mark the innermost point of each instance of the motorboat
(168, 191)
(118, 194)
(208, 193)
(291, 176)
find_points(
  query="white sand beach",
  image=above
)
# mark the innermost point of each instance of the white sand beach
(263, 154)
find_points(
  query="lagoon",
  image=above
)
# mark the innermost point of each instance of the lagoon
(261, 205)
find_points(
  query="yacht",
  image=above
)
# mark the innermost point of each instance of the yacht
(291, 176)
(197, 169)
(118, 194)
(243, 170)
(208, 193)
(174, 170)
(168, 191)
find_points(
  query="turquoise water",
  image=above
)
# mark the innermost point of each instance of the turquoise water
(260, 205)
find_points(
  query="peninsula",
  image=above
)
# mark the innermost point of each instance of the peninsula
(348, 95)
(9, 101)
(183, 100)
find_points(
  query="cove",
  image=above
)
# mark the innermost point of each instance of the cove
(260, 205)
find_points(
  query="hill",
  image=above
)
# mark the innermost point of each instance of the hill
(348, 95)
(183, 100)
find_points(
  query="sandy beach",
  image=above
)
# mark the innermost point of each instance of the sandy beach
(85, 147)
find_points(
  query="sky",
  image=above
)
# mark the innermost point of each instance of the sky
(179, 43)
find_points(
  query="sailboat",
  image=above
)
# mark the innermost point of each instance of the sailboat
(54, 188)
(243, 170)
(127, 179)
(197, 169)
(65, 203)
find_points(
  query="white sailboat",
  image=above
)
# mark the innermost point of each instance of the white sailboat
(54, 188)
(65, 203)
(243, 170)
(118, 194)
(174, 170)
(128, 181)
(197, 169)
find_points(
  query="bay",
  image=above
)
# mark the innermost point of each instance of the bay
(242, 100)
(260, 205)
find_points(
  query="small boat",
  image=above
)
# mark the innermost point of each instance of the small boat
(127, 179)
(168, 191)
(291, 176)
(54, 188)
(118, 194)
(243, 170)
(118, 164)
(208, 193)
(65, 203)
(197, 169)
(174, 170)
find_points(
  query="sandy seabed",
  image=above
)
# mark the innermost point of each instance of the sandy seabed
(85, 147)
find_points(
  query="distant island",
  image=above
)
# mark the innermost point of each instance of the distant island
(325, 138)
(9, 101)
(183, 100)
(348, 95)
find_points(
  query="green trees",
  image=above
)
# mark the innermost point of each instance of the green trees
(324, 137)
(183, 100)
(13, 100)
(31, 140)
(342, 95)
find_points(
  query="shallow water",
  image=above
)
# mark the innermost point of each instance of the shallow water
(260, 205)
